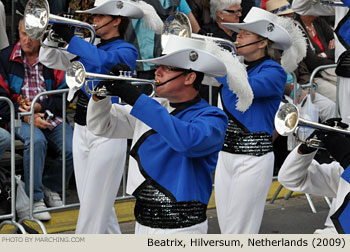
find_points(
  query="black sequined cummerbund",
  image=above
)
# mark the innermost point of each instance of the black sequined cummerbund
(239, 142)
(81, 110)
(154, 209)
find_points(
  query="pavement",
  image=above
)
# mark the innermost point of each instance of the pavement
(286, 215)
(283, 216)
(292, 216)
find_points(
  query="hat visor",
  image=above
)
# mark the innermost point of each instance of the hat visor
(206, 63)
(109, 8)
(279, 35)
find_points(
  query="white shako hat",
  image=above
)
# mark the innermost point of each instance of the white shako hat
(207, 57)
(266, 25)
(190, 54)
(128, 8)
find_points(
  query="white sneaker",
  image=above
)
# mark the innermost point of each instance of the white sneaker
(51, 198)
(40, 205)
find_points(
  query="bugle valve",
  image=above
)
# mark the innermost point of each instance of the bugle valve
(38, 22)
(77, 77)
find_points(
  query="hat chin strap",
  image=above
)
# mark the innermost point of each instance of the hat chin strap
(251, 43)
(104, 25)
(177, 76)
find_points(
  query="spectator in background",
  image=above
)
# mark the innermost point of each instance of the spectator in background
(23, 77)
(4, 42)
(223, 11)
(342, 44)
(320, 52)
(201, 11)
(321, 40)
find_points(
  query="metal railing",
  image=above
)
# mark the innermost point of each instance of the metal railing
(65, 206)
(12, 215)
(312, 77)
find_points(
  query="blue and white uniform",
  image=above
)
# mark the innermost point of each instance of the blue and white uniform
(175, 149)
(302, 173)
(245, 167)
(97, 160)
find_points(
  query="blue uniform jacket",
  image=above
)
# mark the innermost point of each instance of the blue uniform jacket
(181, 151)
(267, 81)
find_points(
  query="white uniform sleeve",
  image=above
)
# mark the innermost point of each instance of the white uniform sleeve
(111, 121)
(301, 173)
(312, 7)
(55, 58)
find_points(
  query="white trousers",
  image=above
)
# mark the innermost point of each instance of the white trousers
(201, 228)
(242, 183)
(344, 99)
(98, 166)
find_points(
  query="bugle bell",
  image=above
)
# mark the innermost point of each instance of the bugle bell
(179, 24)
(287, 119)
(38, 20)
(77, 77)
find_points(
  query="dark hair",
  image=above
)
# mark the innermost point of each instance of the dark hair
(198, 81)
(123, 25)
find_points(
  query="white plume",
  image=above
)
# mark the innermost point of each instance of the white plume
(293, 55)
(237, 77)
(151, 18)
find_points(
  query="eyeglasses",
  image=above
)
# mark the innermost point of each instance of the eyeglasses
(236, 12)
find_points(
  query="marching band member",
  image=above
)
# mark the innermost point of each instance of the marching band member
(245, 165)
(98, 161)
(300, 172)
(176, 138)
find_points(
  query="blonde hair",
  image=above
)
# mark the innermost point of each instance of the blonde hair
(219, 5)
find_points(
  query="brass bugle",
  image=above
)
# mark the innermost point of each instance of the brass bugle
(288, 118)
(77, 77)
(38, 20)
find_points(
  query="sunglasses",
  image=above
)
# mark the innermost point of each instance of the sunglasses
(236, 12)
